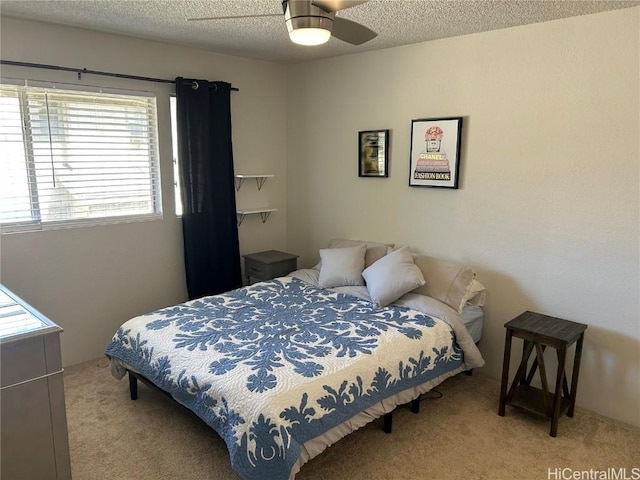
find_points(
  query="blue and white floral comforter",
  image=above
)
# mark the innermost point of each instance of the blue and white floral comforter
(276, 364)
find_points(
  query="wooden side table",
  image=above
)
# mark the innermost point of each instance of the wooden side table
(540, 331)
(269, 264)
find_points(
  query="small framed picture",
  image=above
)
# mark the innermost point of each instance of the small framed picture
(435, 152)
(373, 153)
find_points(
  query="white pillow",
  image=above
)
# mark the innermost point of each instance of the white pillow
(446, 281)
(342, 266)
(392, 276)
(476, 294)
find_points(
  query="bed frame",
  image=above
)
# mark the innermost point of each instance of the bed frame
(133, 393)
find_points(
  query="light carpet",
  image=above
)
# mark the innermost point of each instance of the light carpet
(457, 436)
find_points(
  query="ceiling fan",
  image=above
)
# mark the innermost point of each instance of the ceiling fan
(312, 22)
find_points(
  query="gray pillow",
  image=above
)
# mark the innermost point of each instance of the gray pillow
(375, 250)
(392, 276)
(342, 266)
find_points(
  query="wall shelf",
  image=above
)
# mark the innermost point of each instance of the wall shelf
(264, 213)
(260, 179)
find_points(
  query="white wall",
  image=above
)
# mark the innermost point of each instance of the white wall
(548, 205)
(89, 280)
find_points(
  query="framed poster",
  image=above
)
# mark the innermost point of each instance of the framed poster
(373, 153)
(435, 152)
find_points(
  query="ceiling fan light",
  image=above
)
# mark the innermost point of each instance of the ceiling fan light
(306, 23)
(310, 36)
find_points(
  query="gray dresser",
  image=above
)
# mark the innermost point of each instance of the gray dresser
(269, 264)
(33, 426)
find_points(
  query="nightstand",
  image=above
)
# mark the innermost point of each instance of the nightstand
(540, 331)
(269, 264)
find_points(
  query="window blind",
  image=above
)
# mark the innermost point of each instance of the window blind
(72, 157)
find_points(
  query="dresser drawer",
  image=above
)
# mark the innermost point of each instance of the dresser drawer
(281, 269)
(255, 269)
(22, 361)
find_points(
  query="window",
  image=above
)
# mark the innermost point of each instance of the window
(176, 159)
(74, 157)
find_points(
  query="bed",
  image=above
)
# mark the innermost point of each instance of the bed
(284, 368)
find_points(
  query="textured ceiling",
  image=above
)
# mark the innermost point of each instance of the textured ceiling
(397, 22)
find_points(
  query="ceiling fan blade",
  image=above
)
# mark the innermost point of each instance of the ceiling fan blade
(352, 32)
(335, 5)
(234, 16)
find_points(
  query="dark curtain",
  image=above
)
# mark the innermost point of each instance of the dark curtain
(211, 248)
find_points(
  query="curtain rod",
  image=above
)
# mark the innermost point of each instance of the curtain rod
(80, 71)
